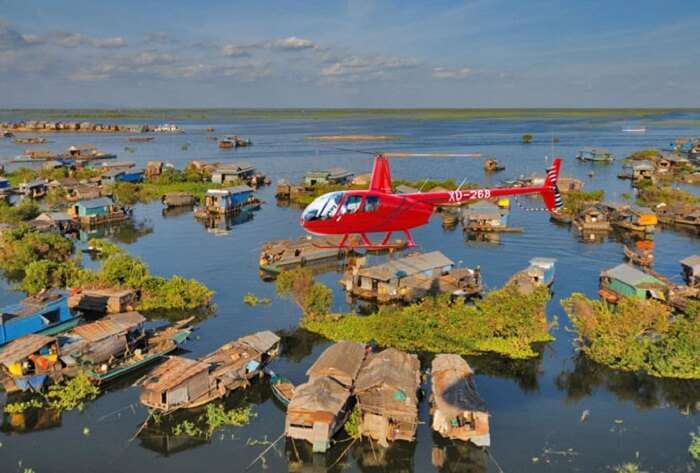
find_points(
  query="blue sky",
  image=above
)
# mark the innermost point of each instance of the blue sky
(357, 53)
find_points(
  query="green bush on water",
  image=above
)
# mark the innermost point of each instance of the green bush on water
(505, 322)
(651, 195)
(638, 335)
(313, 298)
(216, 416)
(20, 407)
(694, 447)
(527, 138)
(21, 246)
(24, 211)
(577, 201)
(253, 300)
(73, 394)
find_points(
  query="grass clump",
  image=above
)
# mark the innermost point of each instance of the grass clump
(694, 447)
(505, 322)
(253, 300)
(638, 335)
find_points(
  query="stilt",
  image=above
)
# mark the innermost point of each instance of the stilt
(409, 239)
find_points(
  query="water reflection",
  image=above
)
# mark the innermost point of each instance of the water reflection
(524, 372)
(223, 224)
(459, 457)
(176, 211)
(398, 457)
(126, 232)
(298, 344)
(646, 392)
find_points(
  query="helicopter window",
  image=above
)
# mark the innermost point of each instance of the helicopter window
(323, 207)
(352, 204)
(371, 203)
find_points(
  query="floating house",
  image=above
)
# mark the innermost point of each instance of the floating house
(97, 211)
(318, 409)
(281, 255)
(182, 383)
(154, 168)
(227, 201)
(407, 279)
(45, 314)
(4, 184)
(387, 396)
(540, 272)
(592, 219)
(595, 154)
(104, 301)
(58, 222)
(328, 176)
(34, 189)
(458, 411)
(241, 171)
(636, 219)
(117, 166)
(569, 184)
(691, 270)
(341, 362)
(29, 362)
(178, 199)
(625, 280)
(485, 216)
(643, 171)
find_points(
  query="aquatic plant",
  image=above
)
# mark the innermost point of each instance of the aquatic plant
(174, 293)
(215, 417)
(577, 201)
(21, 246)
(44, 274)
(527, 138)
(651, 195)
(637, 335)
(313, 298)
(253, 300)
(73, 394)
(505, 321)
(352, 425)
(628, 468)
(104, 249)
(694, 447)
(19, 407)
(124, 270)
(643, 154)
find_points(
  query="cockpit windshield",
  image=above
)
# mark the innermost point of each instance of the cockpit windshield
(323, 207)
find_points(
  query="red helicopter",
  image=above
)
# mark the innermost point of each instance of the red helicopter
(379, 210)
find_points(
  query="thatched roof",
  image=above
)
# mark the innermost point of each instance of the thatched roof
(454, 390)
(340, 361)
(319, 395)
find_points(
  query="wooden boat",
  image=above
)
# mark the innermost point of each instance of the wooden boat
(154, 347)
(282, 389)
(226, 144)
(640, 257)
(141, 139)
(491, 165)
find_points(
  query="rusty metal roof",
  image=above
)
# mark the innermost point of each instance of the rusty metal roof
(24, 346)
(454, 390)
(173, 372)
(408, 266)
(112, 325)
(319, 395)
(341, 361)
(260, 341)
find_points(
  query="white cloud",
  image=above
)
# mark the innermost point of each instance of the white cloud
(109, 43)
(94, 73)
(358, 68)
(451, 73)
(151, 58)
(68, 39)
(292, 43)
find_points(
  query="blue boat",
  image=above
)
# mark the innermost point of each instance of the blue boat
(46, 314)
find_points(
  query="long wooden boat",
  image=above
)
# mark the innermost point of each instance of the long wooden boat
(641, 258)
(282, 389)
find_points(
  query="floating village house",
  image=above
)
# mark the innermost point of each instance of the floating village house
(242, 171)
(319, 408)
(45, 313)
(539, 273)
(328, 176)
(643, 171)
(668, 162)
(412, 277)
(691, 270)
(458, 410)
(58, 222)
(280, 255)
(636, 219)
(230, 200)
(104, 301)
(625, 280)
(183, 383)
(4, 184)
(485, 216)
(28, 362)
(34, 189)
(387, 396)
(594, 154)
(592, 219)
(122, 175)
(96, 211)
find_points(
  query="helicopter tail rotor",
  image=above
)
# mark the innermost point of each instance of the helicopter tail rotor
(550, 191)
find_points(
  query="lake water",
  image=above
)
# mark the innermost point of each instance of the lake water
(536, 406)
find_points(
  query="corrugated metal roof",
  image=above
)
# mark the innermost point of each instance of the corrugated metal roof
(691, 261)
(630, 275)
(24, 346)
(173, 372)
(453, 388)
(260, 341)
(406, 266)
(94, 203)
(319, 395)
(127, 320)
(390, 367)
(342, 361)
(239, 189)
(99, 330)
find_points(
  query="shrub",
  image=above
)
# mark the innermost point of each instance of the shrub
(124, 270)
(25, 210)
(527, 138)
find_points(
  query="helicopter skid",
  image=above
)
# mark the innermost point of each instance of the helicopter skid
(365, 243)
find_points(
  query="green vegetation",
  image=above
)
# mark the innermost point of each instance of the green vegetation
(190, 180)
(73, 394)
(103, 248)
(638, 335)
(253, 300)
(21, 246)
(527, 138)
(694, 447)
(643, 154)
(577, 201)
(505, 322)
(21, 175)
(313, 298)
(651, 195)
(628, 468)
(26, 210)
(20, 407)
(215, 417)
(352, 425)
